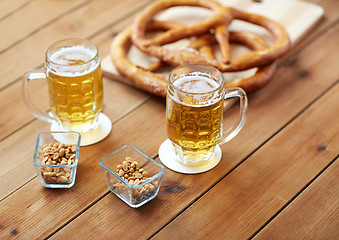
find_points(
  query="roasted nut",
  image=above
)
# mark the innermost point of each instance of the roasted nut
(131, 172)
(129, 159)
(121, 172)
(131, 182)
(63, 179)
(137, 182)
(57, 154)
(61, 152)
(136, 165)
(138, 175)
(49, 174)
(125, 166)
(145, 173)
(73, 148)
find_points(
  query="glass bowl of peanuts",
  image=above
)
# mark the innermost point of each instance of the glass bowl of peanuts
(56, 158)
(132, 175)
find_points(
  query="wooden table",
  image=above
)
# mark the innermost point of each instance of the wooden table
(278, 179)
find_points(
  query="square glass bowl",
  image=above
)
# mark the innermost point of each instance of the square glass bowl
(56, 158)
(120, 169)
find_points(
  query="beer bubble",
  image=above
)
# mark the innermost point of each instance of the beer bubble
(202, 90)
(73, 61)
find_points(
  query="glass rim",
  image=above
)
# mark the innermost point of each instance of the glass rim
(72, 39)
(220, 85)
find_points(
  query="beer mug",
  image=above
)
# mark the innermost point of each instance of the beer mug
(73, 73)
(194, 112)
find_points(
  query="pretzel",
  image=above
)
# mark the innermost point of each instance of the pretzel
(221, 18)
(264, 73)
(142, 78)
(152, 82)
(157, 83)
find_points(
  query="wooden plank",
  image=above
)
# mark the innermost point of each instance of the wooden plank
(20, 208)
(32, 49)
(76, 23)
(255, 191)
(8, 7)
(329, 7)
(269, 111)
(36, 14)
(17, 165)
(313, 215)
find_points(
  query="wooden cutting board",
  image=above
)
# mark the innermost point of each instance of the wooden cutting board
(298, 17)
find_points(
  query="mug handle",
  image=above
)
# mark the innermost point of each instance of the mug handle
(32, 75)
(234, 130)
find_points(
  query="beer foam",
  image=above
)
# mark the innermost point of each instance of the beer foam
(72, 61)
(197, 85)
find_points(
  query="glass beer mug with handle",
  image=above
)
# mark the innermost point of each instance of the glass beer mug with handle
(194, 112)
(73, 72)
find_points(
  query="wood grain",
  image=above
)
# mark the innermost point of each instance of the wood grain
(71, 24)
(262, 125)
(32, 51)
(313, 215)
(8, 7)
(331, 10)
(17, 172)
(267, 181)
(35, 19)
(275, 176)
(114, 94)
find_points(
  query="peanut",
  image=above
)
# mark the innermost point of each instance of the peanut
(57, 154)
(130, 171)
(125, 166)
(61, 152)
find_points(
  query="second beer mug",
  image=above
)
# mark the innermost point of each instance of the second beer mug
(74, 77)
(194, 112)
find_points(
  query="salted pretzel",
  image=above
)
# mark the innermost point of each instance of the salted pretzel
(219, 21)
(157, 83)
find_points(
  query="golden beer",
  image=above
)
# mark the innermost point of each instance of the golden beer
(194, 121)
(195, 116)
(75, 87)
